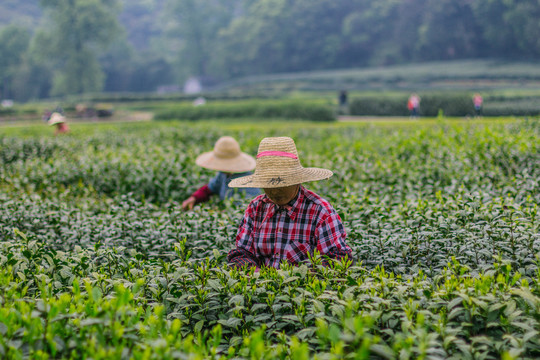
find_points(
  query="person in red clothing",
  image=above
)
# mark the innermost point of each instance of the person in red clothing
(477, 102)
(288, 222)
(60, 121)
(413, 104)
(230, 163)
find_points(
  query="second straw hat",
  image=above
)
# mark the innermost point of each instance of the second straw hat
(278, 166)
(226, 157)
(56, 118)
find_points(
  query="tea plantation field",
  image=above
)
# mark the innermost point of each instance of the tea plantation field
(98, 261)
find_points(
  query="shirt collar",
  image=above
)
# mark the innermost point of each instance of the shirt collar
(292, 206)
(235, 175)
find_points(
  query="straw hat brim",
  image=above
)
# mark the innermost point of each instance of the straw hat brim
(238, 164)
(56, 118)
(300, 176)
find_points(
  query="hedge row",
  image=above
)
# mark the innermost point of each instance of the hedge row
(450, 104)
(153, 97)
(252, 109)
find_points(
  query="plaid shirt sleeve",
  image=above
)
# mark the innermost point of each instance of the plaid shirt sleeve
(330, 235)
(244, 254)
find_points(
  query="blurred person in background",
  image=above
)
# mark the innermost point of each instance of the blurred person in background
(59, 121)
(478, 102)
(413, 104)
(231, 163)
(343, 103)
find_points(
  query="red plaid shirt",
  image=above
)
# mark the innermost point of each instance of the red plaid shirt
(270, 234)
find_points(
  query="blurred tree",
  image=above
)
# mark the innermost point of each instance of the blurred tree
(448, 30)
(149, 73)
(254, 42)
(510, 27)
(193, 26)
(405, 27)
(140, 60)
(286, 35)
(232, 38)
(80, 30)
(143, 22)
(117, 65)
(33, 79)
(14, 42)
(498, 35)
(524, 18)
(369, 29)
(314, 36)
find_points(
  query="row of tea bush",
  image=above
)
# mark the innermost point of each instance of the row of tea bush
(97, 259)
(450, 104)
(250, 109)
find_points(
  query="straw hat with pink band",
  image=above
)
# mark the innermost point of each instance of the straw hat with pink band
(278, 166)
(226, 157)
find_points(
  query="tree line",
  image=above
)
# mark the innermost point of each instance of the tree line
(86, 46)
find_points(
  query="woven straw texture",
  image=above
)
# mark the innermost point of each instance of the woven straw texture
(226, 157)
(278, 166)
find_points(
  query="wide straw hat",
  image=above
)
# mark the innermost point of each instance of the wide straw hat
(56, 118)
(226, 157)
(278, 166)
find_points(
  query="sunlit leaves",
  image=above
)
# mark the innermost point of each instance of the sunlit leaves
(97, 259)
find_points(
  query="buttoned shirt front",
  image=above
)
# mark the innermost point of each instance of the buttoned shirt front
(270, 234)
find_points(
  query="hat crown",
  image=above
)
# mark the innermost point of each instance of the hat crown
(277, 156)
(226, 148)
(278, 144)
(226, 157)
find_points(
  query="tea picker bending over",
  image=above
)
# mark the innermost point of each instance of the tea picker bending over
(230, 162)
(59, 121)
(288, 222)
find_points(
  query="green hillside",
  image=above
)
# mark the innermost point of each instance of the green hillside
(156, 45)
(440, 75)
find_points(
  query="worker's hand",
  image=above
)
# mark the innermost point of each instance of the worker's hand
(188, 203)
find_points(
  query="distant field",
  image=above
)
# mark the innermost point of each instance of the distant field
(440, 75)
(509, 89)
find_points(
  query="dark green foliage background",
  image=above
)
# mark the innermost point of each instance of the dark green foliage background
(442, 218)
(231, 41)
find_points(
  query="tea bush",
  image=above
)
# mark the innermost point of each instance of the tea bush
(97, 260)
(524, 106)
(451, 104)
(381, 106)
(126, 97)
(300, 110)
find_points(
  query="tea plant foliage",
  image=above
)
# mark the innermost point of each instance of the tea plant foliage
(98, 261)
